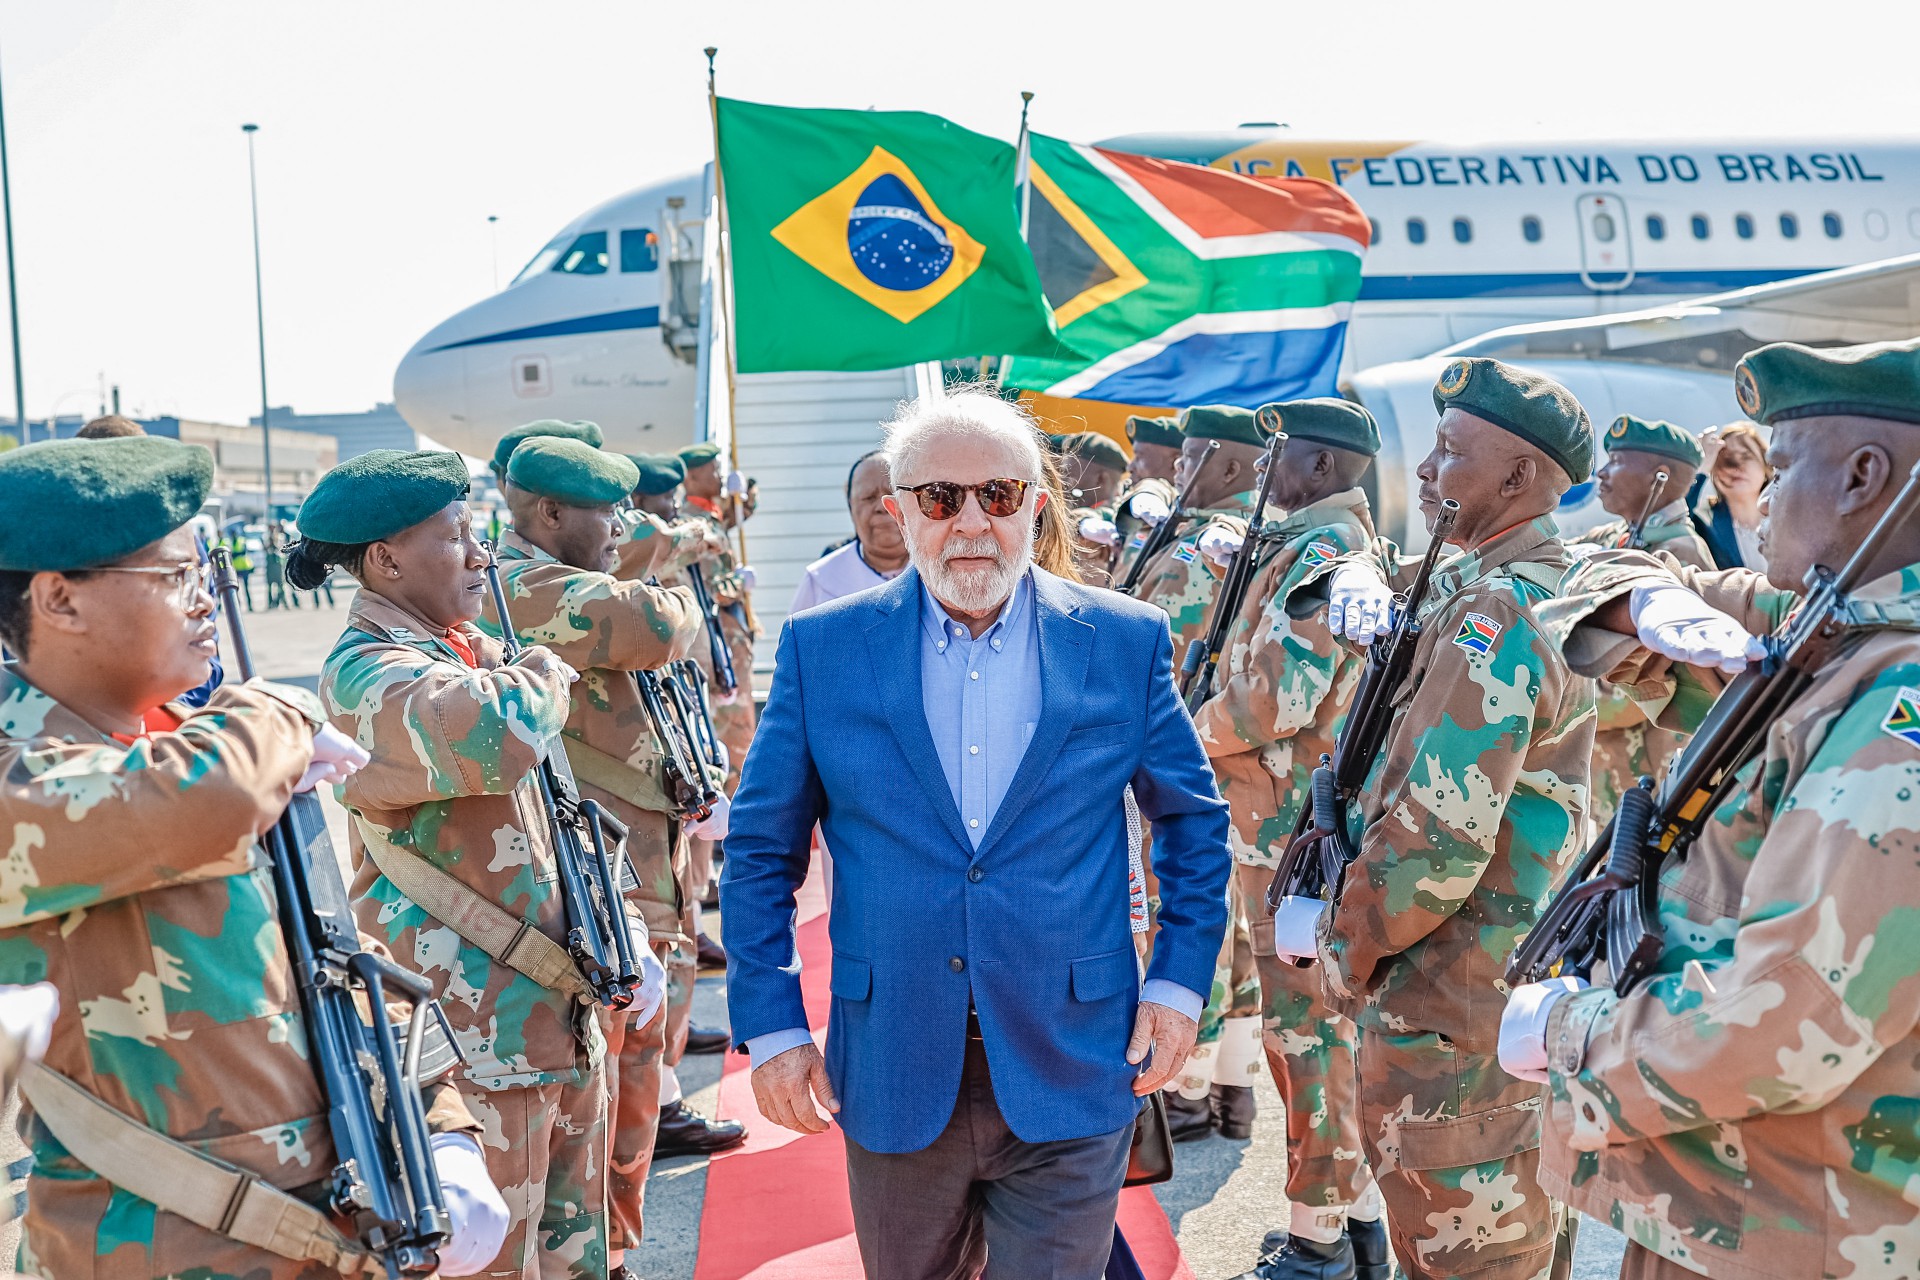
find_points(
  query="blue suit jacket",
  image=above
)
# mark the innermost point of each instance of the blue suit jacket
(1034, 924)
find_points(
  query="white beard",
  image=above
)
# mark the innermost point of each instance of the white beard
(972, 590)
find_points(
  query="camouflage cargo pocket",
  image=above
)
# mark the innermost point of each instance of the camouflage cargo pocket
(1478, 1138)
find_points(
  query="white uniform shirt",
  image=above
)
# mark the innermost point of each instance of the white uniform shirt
(838, 573)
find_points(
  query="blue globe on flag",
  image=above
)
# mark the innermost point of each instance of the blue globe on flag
(893, 242)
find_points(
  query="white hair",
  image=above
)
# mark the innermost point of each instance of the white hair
(972, 411)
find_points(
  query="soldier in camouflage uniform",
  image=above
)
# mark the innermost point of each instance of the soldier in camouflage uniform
(1282, 691)
(1474, 808)
(1749, 1111)
(1627, 746)
(450, 804)
(135, 885)
(1123, 525)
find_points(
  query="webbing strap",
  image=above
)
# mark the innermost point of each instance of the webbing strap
(639, 788)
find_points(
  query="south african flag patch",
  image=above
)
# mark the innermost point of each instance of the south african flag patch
(1477, 633)
(1903, 720)
(1318, 553)
(1136, 542)
(1185, 553)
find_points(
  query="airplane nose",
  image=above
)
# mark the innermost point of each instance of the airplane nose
(430, 390)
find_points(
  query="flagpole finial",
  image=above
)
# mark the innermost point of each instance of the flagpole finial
(1026, 95)
(710, 51)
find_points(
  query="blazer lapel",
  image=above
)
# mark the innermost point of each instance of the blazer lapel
(1066, 648)
(893, 646)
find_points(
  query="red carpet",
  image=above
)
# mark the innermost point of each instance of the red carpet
(776, 1208)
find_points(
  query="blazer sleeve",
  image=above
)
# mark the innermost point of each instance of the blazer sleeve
(769, 843)
(1175, 790)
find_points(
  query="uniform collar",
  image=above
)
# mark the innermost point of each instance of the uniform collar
(1347, 502)
(1536, 539)
(378, 616)
(514, 547)
(28, 712)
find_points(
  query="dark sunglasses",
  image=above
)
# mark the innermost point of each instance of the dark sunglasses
(942, 499)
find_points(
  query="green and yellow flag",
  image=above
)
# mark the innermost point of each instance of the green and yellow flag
(873, 239)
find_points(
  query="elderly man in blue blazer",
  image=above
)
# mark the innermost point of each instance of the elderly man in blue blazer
(964, 735)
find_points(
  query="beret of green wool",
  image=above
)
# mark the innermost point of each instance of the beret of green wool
(1324, 420)
(1786, 380)
(659, 472)
(1653, 436)
(695, 455)
(381, 492)
(572, 472)
(1535, 408)
(587, 431)
(75, 504)
(1165, 430)
(1220, 422)
(1095, 448)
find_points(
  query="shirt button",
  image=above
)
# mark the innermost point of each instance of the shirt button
(996, 644)
(973, 751)
(956, 964)
(973, 675)
(973, 822)
(976, 875)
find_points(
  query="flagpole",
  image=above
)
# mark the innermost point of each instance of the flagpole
(1022, 179)
(723, 291)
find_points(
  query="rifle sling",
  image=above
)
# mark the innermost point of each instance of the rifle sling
(638, 786)
(504, 936)
(210, 1193)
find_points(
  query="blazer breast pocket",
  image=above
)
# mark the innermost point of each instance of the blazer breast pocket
(1097, 735)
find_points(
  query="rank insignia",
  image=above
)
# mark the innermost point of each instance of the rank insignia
(1746, 392)
(1477, 633)
(1903, 719)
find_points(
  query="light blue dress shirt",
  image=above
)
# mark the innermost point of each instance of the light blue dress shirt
(982, 701)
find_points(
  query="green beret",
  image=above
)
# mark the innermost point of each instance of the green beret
(1537, 409)
(659, 472)
(1785, 380)
(379, 493)
(76, 504)
(1324, 420)
(696, 455)
(587, 431)
(1654, 436)
(1095, 448)
(1162, 431)
(1220, 422)
(572, 472)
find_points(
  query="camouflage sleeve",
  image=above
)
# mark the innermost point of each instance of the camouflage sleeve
(651, 546)
(437, 730)
(91, 823)
(594, 620)
(1825, 968)
(1473, 714)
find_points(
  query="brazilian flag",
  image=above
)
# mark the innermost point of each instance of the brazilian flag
(873, 239)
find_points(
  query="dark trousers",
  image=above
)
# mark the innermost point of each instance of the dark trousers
(980, 1196)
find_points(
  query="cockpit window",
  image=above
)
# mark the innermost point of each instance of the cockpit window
(639, 250)
(586, 256)
(542, 261)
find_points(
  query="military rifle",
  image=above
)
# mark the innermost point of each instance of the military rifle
(1320, 851)
(590, 886)
(716, 638)
(684, 778)
(1636, 532)
(1608, 908)
(383, 1179)
(1164, 533)
(1202, 660)
(692, 685)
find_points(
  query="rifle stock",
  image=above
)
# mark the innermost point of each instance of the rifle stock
(717, 650)
(1636, 532)
(1202, 660)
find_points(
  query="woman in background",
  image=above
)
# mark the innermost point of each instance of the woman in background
(1729, 520)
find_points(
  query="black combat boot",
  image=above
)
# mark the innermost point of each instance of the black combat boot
(1233, 1109)
(1302, 1259)
(1371, 1258)
(685, 1132)
(1189, 1119)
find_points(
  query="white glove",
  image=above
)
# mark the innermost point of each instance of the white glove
(1674, 622)
(27, 1014)
(543, 661)
(1220, 545)
(1099, 530)
(1523, 1027)
(652, 991)
(475, 1211)
(748, 578)
(1296, 928)
(736, 484)
(335, 758)
(1149, 508)
(1359, 604)
(725, 762)
(714, 825)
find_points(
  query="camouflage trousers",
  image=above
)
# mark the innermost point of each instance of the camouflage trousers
(1310, 1051)
(1642, 1263)
(546, 1149)
(1621, 757)
(1455, 1144)
(1219, 1058)
(634, 1055)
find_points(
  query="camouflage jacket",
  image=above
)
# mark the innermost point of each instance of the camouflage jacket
(135, 885)
(733, 716)
(652, 546)
(607, 629)
(1284, 682)
(451, 780)
(1179, 579)
(1476, 805)
(1133, 531)
(1754, 1108)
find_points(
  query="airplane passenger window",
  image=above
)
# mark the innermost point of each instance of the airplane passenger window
(1831, 223)
(1875, 224)
(639, 250)
(586, 256)
(1700, 227)
(1656, 227)
(1416, 230)
(1463, 230)
(1530, 229)
(1789, 226)
(1373, 226)
(1743, 225)
(1603, 228)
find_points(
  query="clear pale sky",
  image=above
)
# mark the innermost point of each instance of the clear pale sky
(391, 129)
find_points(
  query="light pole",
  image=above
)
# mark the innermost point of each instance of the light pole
(493, 233)
(260, 323)
(13, 286)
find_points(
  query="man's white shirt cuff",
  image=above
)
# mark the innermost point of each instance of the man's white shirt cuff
(764, 1049)
(1174, 996)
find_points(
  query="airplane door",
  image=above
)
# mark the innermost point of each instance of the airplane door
(1606, 243)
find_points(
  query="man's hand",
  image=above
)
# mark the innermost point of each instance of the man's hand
(1359, 604)
(1149, 508)
(336, 757)
(1296, 928)
(1100, 531)
(785, 1086)
(1523, 1026)
(1170, 1034)
(1220, 545)
(1676, 623)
